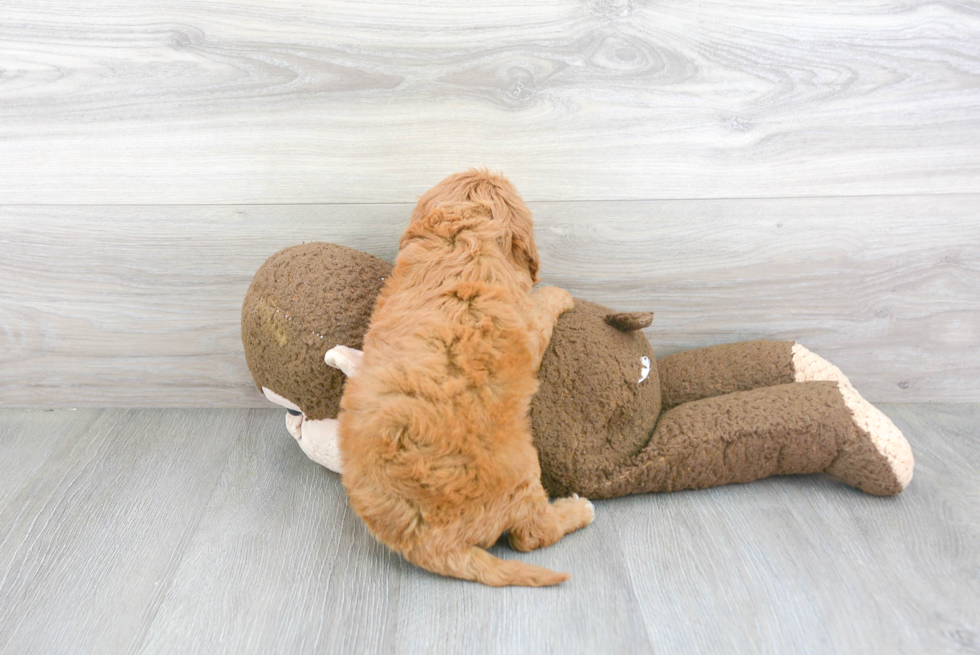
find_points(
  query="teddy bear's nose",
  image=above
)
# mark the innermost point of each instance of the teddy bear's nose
(293, 412)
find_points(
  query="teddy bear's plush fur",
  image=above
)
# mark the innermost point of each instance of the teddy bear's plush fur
(305, 300)
(608, 419)
(727, 413)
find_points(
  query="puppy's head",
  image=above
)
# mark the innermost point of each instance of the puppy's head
(500, 197)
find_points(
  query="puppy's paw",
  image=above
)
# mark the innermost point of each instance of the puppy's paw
(575, 512)
(557, 299)
(567, 302)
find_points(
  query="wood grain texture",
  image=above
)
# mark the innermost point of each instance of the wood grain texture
(594, 612)
(203, 531)
(272, 101)
(140, 306)
(89, 545)
(279, 563)
(27, 441)
(807, 564)
(886, 288)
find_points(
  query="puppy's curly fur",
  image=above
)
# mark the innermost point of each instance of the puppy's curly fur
(434, 429)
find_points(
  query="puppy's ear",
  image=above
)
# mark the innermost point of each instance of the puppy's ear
(506, 206)
(522, 245)
(421, 225)
(412, 232)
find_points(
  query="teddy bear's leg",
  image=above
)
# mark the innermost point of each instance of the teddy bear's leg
(718, 370)
(708, 372)
(804, 427)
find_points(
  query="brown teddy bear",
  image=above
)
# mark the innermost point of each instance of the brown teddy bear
(609, 419)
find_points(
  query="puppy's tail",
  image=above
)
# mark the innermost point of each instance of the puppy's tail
(480, 566)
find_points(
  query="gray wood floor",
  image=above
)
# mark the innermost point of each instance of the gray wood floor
(194, 530)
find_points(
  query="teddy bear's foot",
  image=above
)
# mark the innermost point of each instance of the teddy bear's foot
(809, 367)
(875, 431)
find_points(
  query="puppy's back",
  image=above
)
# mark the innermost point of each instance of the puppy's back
(434, 429)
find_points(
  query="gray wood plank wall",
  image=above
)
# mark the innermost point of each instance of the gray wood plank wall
(802, 170)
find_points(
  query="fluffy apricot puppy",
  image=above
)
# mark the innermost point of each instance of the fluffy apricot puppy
(434, 428)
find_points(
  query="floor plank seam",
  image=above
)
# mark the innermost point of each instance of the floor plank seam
(71, 470)
(164, 593)
(632, 586)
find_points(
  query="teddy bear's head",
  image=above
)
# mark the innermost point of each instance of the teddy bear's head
(303, 301)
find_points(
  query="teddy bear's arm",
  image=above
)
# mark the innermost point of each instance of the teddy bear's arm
(344, 358)
(717, 370)
(802, 427)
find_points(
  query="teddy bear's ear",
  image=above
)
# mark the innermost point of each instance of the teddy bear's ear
(630, 321)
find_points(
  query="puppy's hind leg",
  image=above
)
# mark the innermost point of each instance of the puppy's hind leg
(541, 523)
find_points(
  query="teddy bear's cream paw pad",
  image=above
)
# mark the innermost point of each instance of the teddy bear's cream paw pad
(810, 367)
(887, 439)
